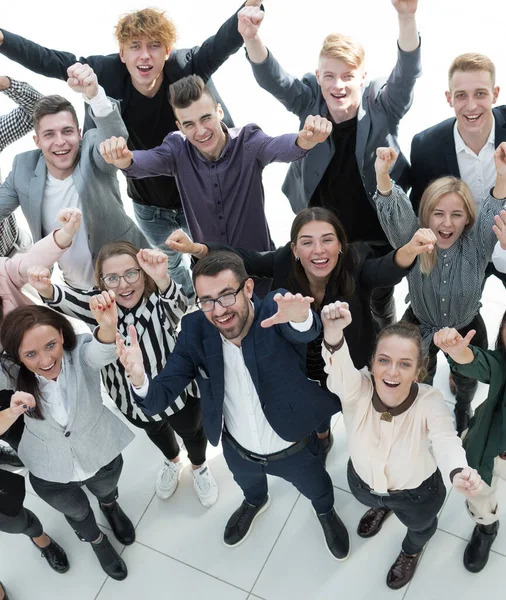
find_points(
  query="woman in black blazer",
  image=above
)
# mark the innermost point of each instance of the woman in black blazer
(318, 262)
(14, 517)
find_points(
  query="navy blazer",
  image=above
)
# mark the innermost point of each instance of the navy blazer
(275, 357)
(433, 153)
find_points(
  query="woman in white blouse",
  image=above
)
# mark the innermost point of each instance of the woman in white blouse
(391, 420)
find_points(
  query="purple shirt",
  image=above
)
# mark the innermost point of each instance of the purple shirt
(223, 200)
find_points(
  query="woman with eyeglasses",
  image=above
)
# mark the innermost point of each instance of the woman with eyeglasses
(154, 304)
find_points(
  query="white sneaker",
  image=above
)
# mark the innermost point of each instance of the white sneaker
(167, 479)
(205, 485)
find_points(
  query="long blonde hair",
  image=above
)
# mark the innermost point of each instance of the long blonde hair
(432, 195)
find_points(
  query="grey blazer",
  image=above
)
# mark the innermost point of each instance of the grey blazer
(95, 180)
(94, 435)
(384, 103)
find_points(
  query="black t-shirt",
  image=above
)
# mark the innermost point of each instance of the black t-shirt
(148, 121)
(342, 191)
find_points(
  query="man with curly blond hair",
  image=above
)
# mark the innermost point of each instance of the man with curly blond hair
(139, 77)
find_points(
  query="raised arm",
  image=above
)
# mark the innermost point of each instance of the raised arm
(19, 121)
(51, 63)
(257, 264)
(20, 403)
(205, 60)
(46, 251)
(394, 209)
(468, 360)
(295, 95)
(175, 303)
(396, 96)
(294, 318)
(143, 163)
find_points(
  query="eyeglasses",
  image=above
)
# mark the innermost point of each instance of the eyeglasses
(207, 305)
(113, 280)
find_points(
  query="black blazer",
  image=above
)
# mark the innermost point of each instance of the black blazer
(433, 153)
(369, 273)
(113, 75)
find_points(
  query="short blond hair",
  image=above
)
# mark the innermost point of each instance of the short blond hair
(148, 23)
(433, 194)
(345, 48)
(471, 62)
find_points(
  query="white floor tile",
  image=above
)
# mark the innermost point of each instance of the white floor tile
(27, 575)
(153, 575)
(442, 576)
(180, 527)
(300, 566)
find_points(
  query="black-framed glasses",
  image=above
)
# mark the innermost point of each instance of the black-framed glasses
(229, 299)
(113, 280)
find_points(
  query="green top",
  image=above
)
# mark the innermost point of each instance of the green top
(486, 437)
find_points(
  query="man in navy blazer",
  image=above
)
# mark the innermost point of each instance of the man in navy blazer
(477, 129)
(248, 357)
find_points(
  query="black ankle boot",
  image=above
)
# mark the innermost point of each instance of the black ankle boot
(120, 524)
(109, 559)
(478, 549)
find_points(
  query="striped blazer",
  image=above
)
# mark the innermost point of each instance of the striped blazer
(155, 320)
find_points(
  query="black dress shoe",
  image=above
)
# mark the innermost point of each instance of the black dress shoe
(240, 523)
(6, 596)
(55, 556)
(109, 559)
(9, 456)
(325, 445)
(371, 523)
(478, 549)
(462, 417)
(402, 571)
(120, 524)
(336, 535)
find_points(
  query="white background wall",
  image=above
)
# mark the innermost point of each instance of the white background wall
(294, 32)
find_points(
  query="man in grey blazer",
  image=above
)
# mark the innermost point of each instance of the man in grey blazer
(339, 173)
(67, 170)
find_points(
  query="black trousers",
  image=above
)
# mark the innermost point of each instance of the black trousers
(304, 470)
(417, 508)
(70, 499)
(13, 435)
(187, 424)
(383, 306)
(466, 387)
(24, 522)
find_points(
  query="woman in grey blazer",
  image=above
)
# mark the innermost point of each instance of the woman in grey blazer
(70, 438)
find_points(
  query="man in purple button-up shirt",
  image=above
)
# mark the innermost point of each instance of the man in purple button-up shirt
(218, 170)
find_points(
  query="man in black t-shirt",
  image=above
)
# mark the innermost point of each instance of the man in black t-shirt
(139, 77)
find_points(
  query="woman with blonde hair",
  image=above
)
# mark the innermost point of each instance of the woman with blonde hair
(445, 286)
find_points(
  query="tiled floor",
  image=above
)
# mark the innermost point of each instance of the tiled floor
(179, 552)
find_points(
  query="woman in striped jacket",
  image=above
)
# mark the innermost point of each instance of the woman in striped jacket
(148, 299)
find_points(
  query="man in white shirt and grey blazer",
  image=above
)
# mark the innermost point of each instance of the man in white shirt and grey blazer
(67, 171)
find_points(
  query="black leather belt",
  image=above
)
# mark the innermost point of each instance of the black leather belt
(264, 459)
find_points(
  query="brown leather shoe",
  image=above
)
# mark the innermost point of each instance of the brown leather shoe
(372, 521)
(402, 571)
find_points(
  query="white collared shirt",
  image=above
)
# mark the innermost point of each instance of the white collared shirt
(242, 410)
(477, 170)
(55, 405)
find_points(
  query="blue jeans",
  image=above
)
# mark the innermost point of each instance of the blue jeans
(157, 224)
